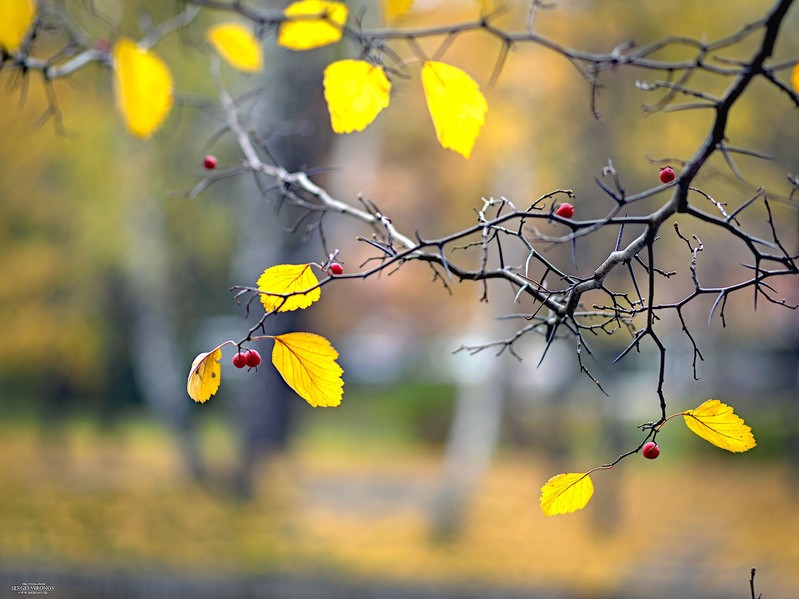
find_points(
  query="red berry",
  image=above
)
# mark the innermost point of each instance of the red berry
(565, 210)
(253, 358)
(666, 174)
(650, 450)
(335, 268)
(240, 360)
(210, 162)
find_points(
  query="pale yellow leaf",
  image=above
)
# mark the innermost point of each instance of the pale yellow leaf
(566, 493)
(288, 278)
(143, 86)
(307, 362)
(795, 78)
(486, 6)
(237, 45)
(393, 9)
(717, 423)
(456, 105)
(205, 375)
(311, 24)
(16, 17)
(356, 91)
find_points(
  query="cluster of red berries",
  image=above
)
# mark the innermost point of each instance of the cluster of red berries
(249, 358)
(650, 450)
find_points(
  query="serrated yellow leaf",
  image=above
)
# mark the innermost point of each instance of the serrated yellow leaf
(288, 278)
(393, 9)
(143, 87)
(566, 493)
(237, 45)
(16, 17)
(356, 91)
(311, 24)
(456, 105)
(205, 375)
(717, 423)
(307, 363)
(795, 78)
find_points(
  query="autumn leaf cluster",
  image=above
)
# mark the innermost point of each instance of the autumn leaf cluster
(356, 90)
(306, 361)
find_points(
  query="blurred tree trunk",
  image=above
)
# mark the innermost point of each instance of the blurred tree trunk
(473, 434)
(291, 115)
(155, 351)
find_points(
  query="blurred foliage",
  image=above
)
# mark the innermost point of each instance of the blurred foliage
(356, 508)
(409, 415)
(64, 203)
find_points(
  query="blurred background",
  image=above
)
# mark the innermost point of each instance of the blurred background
(425, 481)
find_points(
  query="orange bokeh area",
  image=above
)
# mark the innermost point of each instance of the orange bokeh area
(361, 514)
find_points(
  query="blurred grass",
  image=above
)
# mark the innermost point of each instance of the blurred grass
(395, 417)
(353, 503)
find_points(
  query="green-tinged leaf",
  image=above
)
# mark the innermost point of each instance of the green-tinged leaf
(356, 91)
(311, 24)
(456, 106)
(716, 423)
(16, 17)
(143, 86)
(205, 375)
(307, 363)
(237, 45)
(566, 493)
(288, 278)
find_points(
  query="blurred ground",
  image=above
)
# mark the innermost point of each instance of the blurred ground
(100, 514)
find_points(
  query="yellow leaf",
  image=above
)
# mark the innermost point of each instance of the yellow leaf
(356, 91)
(486, 6)
(16, 17)
(456, 105)
(393, 9)
(288, 278)
(205, 375)
(143, 88)
(307, 362)
(566, 493)
(717, 423)
(237, 45)
(311, 24)
(795, 78)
